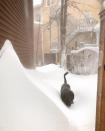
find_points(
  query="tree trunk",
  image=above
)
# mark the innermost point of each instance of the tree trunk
(64, 58)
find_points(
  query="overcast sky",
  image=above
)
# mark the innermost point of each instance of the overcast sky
(36, 2)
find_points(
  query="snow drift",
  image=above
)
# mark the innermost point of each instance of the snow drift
(82, 112)
(23, 106)
(29, 99)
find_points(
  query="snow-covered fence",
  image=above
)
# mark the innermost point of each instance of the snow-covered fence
(83, 61)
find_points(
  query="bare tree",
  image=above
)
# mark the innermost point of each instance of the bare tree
(67, 25)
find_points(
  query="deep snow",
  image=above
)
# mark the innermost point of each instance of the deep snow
(18, 97)
(82, 112)
(23, 106)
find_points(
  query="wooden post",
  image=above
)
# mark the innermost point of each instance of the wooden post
(100, 111)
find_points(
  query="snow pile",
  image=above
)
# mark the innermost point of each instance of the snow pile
(30, 99)
(82, 112)
(95, 49)
(23, 106)
(48, 68)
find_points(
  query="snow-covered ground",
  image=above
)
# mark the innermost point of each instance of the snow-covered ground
(30, 99)
(82, 112)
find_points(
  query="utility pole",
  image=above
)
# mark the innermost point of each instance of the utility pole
(63, 22)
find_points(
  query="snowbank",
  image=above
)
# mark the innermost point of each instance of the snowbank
(95, 49)
(23, 106)
(30, 99)
(82, 112)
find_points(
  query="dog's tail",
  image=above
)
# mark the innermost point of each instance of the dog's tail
(65, 81)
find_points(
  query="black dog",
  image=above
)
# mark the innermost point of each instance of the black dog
(67, 94)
